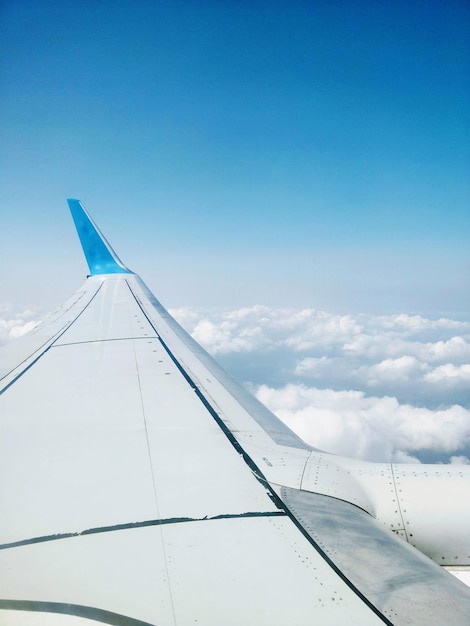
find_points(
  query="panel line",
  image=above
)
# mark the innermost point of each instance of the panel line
(78, 610)
(143, 524)
(59, 334)
(77, 343)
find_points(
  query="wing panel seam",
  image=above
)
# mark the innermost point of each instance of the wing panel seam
(144, 524)
(79, 610)
(78, 343)
(59, 334)
(398, 502)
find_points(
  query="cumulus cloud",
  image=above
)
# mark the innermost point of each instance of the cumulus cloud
(14, 324)
(449, 374)
(459, 460)
(261, 327)
(367, 427)
(409, 357)
(302, 330)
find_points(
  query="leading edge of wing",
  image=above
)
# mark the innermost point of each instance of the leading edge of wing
(99, 254)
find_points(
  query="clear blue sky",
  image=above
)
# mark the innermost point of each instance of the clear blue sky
(310, 153)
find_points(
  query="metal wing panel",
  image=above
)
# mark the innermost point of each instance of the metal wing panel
(427, 505)
(111, 423)
(212, 572)
(406, 586)
(434, 504)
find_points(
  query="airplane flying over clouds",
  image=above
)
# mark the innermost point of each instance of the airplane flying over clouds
(141, 484)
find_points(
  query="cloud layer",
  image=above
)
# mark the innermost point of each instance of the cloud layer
(393, 387)
(374, 387)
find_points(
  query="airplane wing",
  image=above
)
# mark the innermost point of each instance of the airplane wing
(141, 484)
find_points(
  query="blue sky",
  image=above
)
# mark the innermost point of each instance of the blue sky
(283, 153)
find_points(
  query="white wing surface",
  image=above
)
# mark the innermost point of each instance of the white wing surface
(140, 484)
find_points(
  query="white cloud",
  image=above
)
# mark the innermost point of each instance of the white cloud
(449, 373)
(21, 329)
(374, 337)
(459, 460)
(374, 344)
(367, 427)
(455, 348)
(418, 360)
(258, 327)
(15, 324)
(405, 368)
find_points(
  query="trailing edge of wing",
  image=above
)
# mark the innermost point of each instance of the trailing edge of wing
(100, 256)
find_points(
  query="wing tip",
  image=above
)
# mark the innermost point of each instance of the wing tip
(99, 254)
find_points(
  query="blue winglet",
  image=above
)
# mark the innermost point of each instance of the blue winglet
(100, 257)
